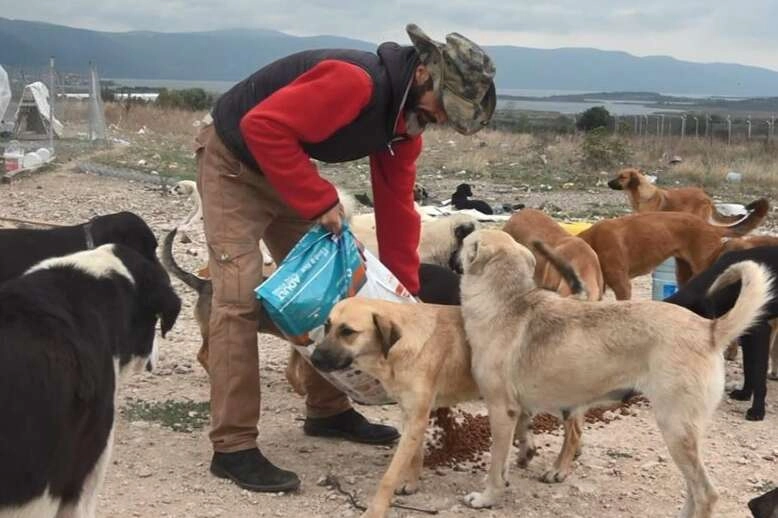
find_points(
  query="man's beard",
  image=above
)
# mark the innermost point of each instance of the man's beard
(414, 123)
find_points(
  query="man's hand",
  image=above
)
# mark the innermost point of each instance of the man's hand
(332, 220)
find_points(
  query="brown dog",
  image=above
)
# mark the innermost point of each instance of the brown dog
(529, 225)
(646, 197)
(636, 244)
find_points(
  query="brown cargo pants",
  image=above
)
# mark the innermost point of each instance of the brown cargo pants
(240, 207)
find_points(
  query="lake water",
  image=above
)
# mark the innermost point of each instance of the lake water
(614, 107)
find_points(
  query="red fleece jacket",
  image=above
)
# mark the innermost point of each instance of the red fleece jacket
(326, 98)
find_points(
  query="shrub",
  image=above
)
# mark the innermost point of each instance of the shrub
(601, 150)
(194, 99)
(593, 118)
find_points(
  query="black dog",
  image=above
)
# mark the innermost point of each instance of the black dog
(22, 248)
(439, 285)
(765, 506)
(756, 343)
(460, 200)
(68, 328)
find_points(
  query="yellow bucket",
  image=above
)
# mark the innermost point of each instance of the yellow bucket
(575, 227)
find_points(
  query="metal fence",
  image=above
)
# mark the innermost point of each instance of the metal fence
(726, 128)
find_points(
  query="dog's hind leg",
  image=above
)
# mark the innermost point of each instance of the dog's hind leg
(756, 354)
(773, 373)
(503, 414)
(683, 441)
(571, 448)
(683, 271)
(620, 283)
(525, 439)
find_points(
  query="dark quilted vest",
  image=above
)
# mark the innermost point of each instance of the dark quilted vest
(391, 69)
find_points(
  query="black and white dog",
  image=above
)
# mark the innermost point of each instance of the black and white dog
(461, 200)
(68, 328)
(756, 343)
(22, 248)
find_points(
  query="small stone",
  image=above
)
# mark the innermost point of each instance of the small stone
(322, 481)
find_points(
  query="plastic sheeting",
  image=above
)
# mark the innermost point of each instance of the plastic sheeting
(40, 95)
(5, 93)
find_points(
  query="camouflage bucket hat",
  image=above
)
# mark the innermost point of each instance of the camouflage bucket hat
(463, 76)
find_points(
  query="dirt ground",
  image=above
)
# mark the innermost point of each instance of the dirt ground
(162, 452)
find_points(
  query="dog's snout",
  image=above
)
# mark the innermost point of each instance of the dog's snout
(328, 361)
(614, 184)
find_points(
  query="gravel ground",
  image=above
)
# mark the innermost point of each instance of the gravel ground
(160, 463)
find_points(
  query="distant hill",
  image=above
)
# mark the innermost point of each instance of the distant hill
(231, 55)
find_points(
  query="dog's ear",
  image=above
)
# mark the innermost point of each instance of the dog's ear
(475, 254)
(387, 331)
(463, 230)
(634, 180)
(167, 306)
(159, 296)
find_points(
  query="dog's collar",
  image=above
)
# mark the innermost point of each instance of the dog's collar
(90, 240)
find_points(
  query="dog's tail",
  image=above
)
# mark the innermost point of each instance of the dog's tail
(191, 280)
(756, 284)
(757, 212)
(577, 288)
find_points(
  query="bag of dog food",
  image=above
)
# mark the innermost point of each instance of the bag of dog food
(321, 270)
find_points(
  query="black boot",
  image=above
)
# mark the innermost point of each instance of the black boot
(352, 426)
(251, 470)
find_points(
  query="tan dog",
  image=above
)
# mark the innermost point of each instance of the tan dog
(534, 351)
(644, 196)
(420, 355)
(529, 225)
(636, 244)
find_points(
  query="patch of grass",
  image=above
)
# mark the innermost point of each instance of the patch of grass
(179, 416)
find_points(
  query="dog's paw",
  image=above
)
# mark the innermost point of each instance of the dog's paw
(479, 500)
(740, 395)
(526, 456)
(408, 488)
(755, 414)
(554, 476)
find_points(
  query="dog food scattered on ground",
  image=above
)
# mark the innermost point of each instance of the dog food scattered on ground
(456, 438)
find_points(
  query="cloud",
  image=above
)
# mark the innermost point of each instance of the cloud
(715, 30)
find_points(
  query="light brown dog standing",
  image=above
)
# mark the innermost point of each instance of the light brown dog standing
(644, 196)
(530, 225)
(534, 351)
(636, 244)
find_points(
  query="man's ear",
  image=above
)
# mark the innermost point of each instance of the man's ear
(421, 75)
(387, 331)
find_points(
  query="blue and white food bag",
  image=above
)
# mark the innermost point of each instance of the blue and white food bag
(321, 270)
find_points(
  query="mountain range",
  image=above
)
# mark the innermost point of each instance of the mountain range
(230, 55)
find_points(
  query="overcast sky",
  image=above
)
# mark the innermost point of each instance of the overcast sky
(731, 31)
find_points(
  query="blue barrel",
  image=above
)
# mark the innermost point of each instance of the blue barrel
(663, 283)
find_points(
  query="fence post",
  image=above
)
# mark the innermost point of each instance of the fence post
(696, 127)
(748, 127)
(729, 130)
(645, 125)
(683, 126)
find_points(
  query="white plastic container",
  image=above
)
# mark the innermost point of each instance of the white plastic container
(13, 156)
(663, 282)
